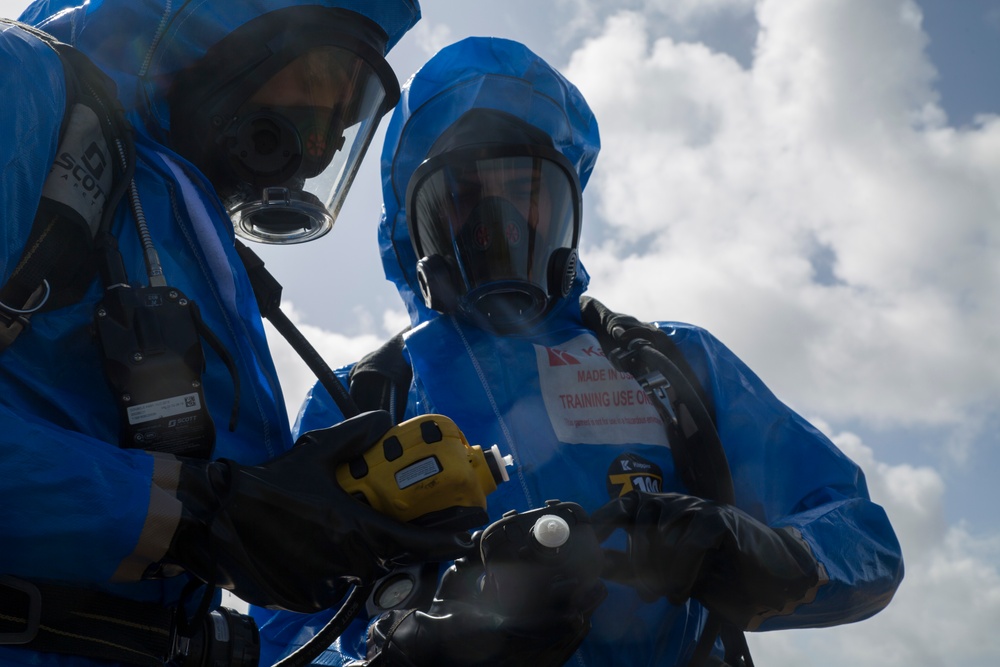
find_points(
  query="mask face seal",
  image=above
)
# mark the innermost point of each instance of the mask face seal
(283, 141)
(496, 228)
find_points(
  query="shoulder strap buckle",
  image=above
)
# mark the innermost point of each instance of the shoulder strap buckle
(652, 379)
(658, 387)
(32, 615)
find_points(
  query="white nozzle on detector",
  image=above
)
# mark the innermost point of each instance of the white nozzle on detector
(551, 531)
(503, 462)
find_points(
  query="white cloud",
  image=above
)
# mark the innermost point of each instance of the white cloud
(678, 11)
(815, 211)
(945, 611)
(432, 37)
(686, 11)
(395, 321)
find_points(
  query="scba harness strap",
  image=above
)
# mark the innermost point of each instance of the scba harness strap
(58, 262)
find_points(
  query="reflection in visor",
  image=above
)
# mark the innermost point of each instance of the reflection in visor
(297, 143)
(499, 219)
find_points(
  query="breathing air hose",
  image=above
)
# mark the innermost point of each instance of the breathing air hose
(268, 293)
(318, 643)
(315, 362)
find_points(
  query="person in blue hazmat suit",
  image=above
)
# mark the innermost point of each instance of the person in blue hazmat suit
(483, 167)
(126, 511)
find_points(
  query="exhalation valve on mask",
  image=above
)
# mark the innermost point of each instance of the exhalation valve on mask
(502, 307)
(505, 307)
(274, 151)
(281, 215)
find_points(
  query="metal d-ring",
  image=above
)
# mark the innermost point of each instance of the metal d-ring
(33, 309)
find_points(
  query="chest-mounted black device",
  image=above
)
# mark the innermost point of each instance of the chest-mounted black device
(154, 362)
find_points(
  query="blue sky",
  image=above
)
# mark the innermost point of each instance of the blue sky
(817, 182)
(964, 46)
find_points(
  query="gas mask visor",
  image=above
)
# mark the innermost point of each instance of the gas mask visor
(294, 147)
(496, 228)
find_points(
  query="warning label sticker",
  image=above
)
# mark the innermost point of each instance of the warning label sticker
(168, 407)
(417, 472)
(589, 402)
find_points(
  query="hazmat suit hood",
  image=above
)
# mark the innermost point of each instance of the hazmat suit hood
(478, 72)
(142, 44)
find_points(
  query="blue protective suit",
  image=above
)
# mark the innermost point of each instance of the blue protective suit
(78, 509)
(577, 430)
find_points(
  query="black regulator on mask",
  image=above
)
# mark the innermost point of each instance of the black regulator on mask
(278, 115)
(494, 216)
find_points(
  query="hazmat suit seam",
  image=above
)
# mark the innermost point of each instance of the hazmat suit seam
(493, 406)
(161, 29)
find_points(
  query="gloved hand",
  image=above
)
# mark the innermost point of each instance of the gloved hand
(681, 546)
(464, 628)
(283, 534)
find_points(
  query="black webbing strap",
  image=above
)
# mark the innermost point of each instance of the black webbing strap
(77, 621)
(58, 262)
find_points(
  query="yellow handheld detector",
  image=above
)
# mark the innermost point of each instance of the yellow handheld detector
(424, 471)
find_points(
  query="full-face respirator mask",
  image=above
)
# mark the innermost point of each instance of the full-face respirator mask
(494, 216)
(280, 132)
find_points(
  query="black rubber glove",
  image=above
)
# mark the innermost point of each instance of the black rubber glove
(283, 534)
(464, 628)
(681, 546)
